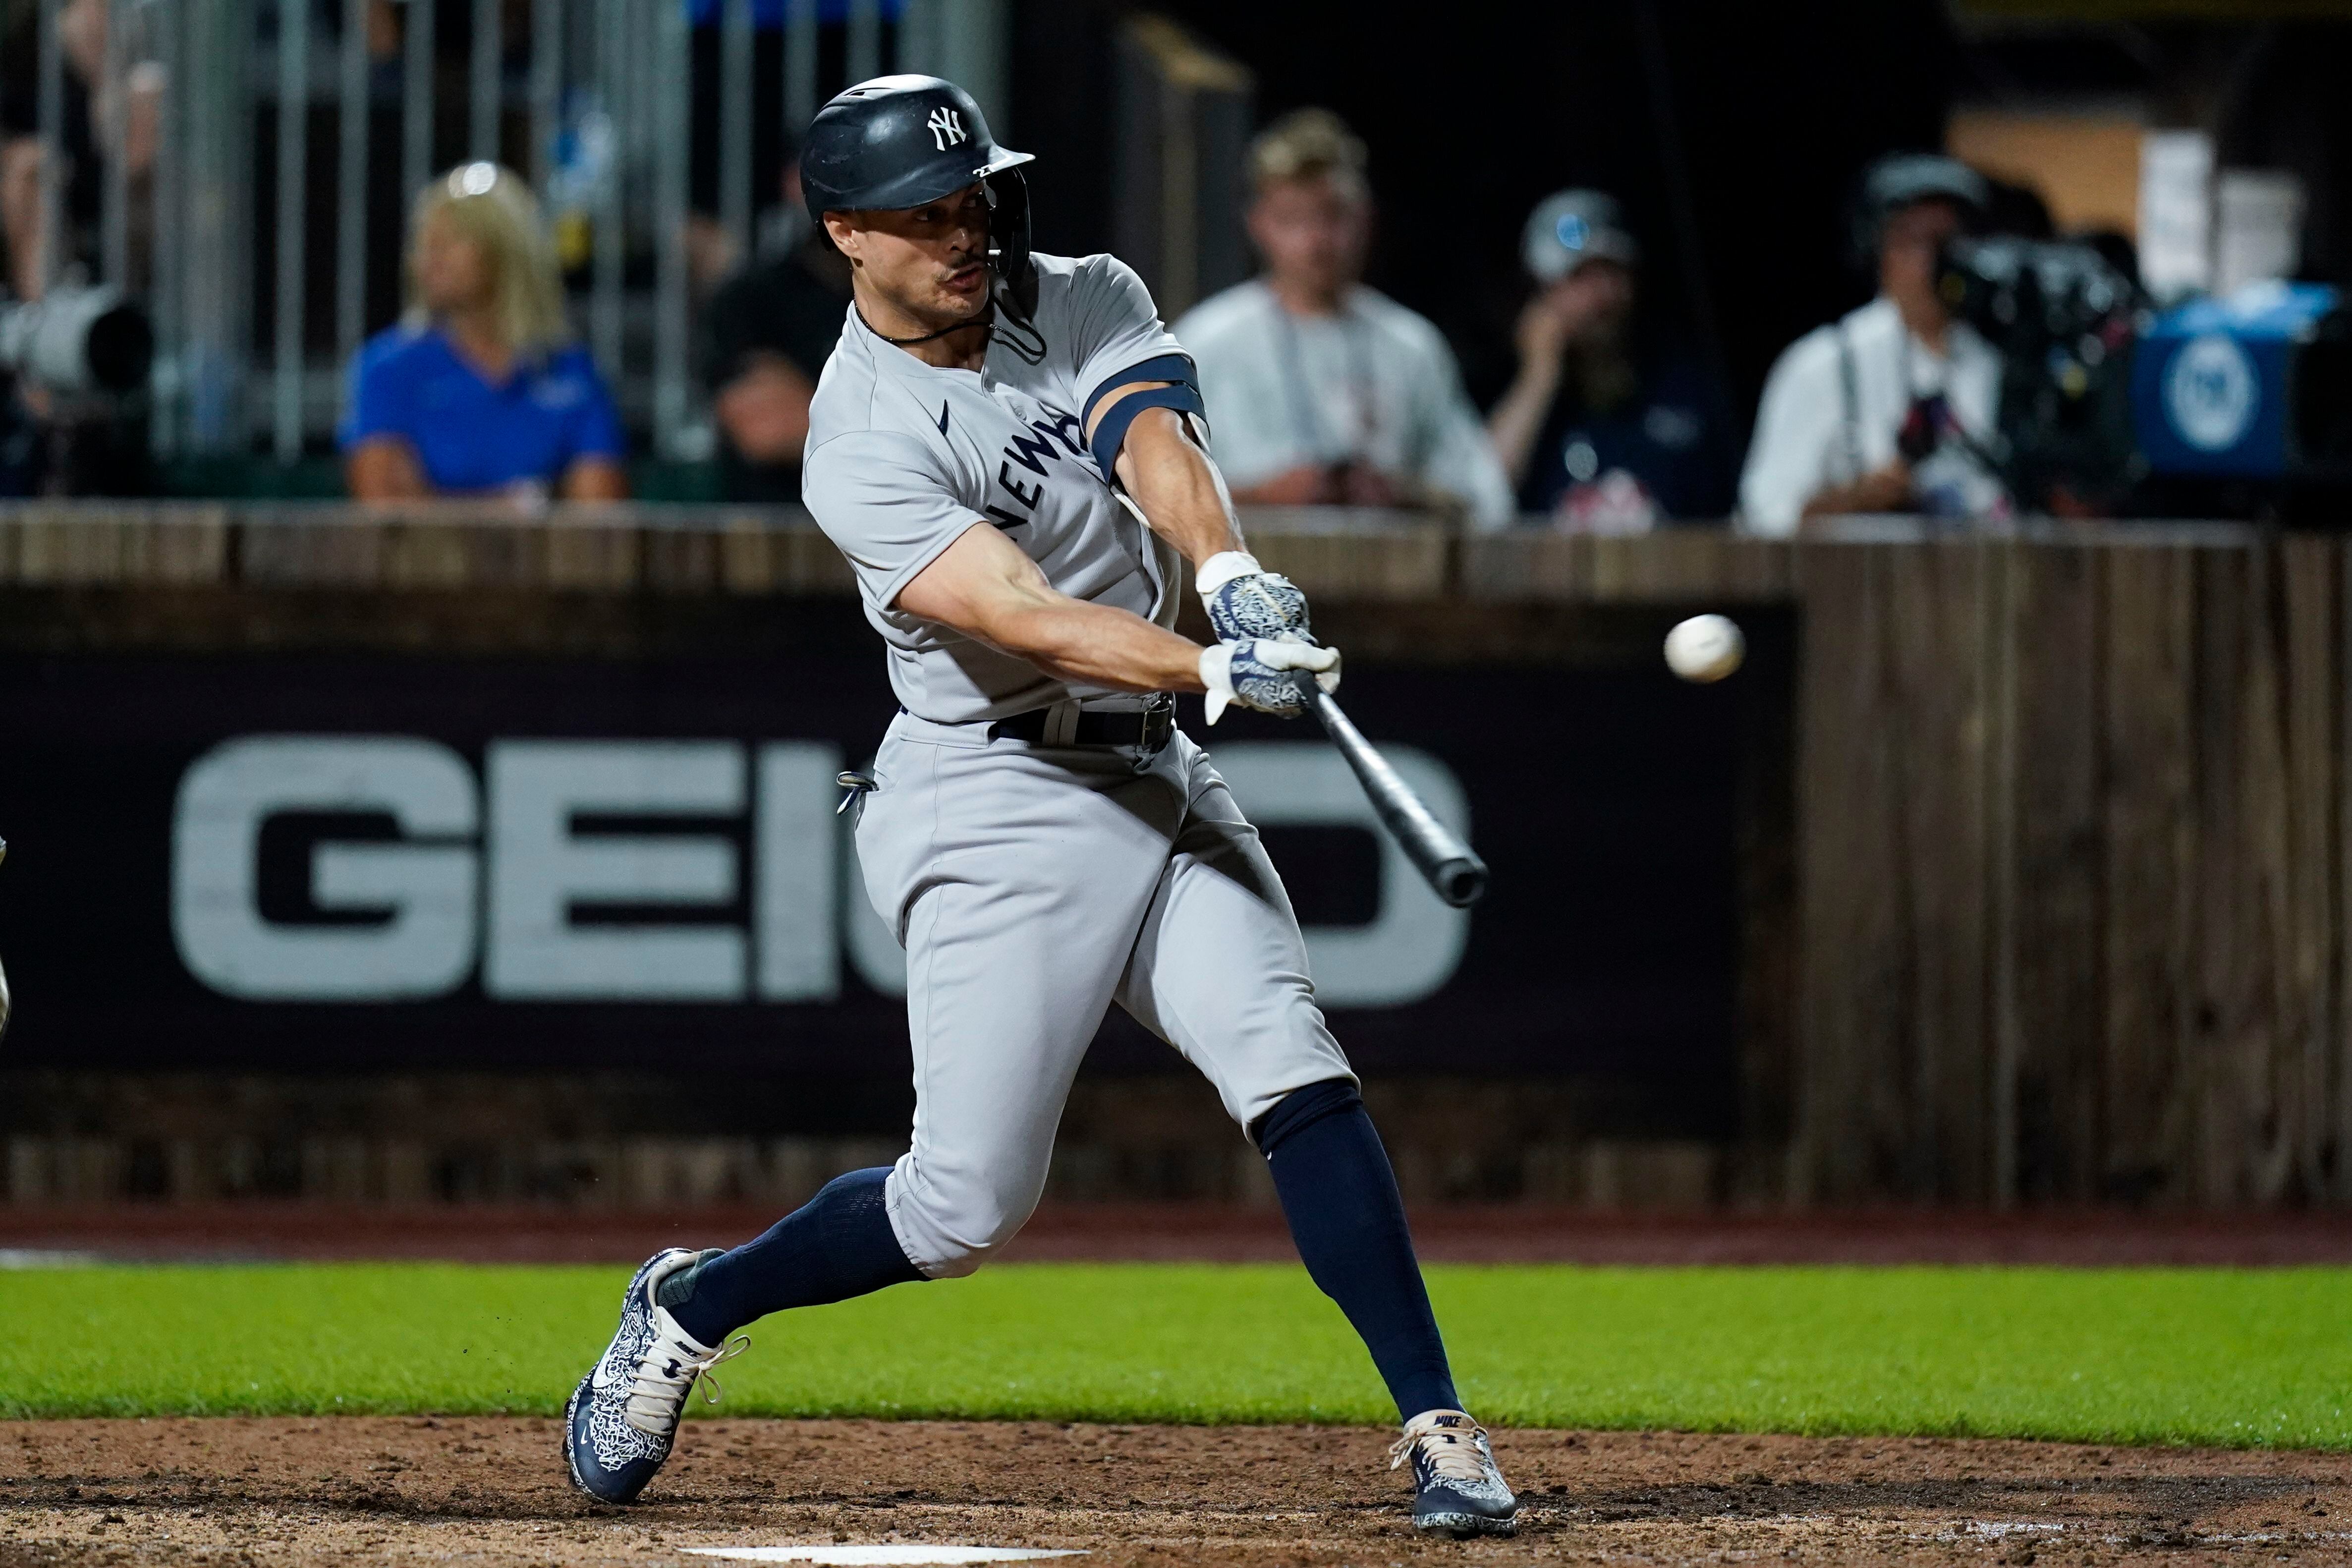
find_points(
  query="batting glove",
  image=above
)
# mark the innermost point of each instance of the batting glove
(1245, 601)
(1265, 674)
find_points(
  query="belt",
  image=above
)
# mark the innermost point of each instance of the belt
(1148, 730)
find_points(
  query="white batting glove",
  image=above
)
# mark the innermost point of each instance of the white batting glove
(1263, 674)
(1245, 600)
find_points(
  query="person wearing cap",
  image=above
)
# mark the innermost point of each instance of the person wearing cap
(1599, 431)
(478, 390)
(1890, 409)
(1321, 390)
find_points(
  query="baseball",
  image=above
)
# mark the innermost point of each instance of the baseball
(1704, 648)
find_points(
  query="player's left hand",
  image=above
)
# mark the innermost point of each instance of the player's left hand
(1245, 601)
(1264, 673)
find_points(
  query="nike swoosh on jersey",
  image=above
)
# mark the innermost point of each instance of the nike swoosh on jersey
(943, 418)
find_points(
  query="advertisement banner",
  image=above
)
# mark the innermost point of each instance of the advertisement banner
(331, 862)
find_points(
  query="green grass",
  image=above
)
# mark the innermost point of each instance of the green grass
(2142, 1355)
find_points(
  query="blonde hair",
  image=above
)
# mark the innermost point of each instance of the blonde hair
(493, 207)
(1308, 145)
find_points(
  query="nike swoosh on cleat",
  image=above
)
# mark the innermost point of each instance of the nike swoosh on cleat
(605, 1374)
(943, 418)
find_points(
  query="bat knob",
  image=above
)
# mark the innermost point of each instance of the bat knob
(1462, 882)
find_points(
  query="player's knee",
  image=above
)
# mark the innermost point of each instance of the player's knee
(1301, 1108)
(959, 1223)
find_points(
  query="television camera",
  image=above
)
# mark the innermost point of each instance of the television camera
(2105, 404)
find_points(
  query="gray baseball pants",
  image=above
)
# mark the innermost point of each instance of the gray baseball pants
(1031, 887)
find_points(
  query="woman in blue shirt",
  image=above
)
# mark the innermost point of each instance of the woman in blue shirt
(478, 390)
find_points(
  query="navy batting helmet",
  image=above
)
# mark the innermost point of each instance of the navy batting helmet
(902, 141)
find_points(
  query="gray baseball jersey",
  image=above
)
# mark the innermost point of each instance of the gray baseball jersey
(1034, 885)
(904, 457)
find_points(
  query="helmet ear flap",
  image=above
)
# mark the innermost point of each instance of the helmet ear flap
(1008, 241)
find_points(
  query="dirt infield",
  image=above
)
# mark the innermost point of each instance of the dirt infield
(491, 1491)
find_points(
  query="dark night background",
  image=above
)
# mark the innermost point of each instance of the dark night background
(1472, 113)
(1475, 113)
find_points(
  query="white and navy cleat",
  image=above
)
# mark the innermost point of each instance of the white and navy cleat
(623, 1419)
(1458, 1490)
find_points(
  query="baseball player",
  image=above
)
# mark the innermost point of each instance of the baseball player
(1011, 451)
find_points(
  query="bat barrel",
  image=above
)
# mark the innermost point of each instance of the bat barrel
(1452, 868)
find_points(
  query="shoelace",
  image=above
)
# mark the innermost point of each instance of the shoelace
(658, 1393)
(1452, 1451)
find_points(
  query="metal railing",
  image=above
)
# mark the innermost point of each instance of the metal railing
(225, 230)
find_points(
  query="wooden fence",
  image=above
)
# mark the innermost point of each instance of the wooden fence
(2057, 911)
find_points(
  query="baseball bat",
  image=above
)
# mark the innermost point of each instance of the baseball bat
(1450, 867)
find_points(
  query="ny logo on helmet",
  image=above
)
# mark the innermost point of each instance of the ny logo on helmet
(947, 127)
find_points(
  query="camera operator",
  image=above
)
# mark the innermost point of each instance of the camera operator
(1891, 408)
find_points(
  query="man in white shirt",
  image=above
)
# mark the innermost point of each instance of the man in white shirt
(1892, 408)
(1321, 390)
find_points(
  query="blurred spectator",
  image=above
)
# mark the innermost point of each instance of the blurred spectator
(766, 335)
(49, 445)
(102, 119)
(1598, 429)
(478, 390)
(1321, 390)
(1888, 410)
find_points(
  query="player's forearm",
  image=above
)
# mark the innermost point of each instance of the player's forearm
(1095, 645)
(1177, 486)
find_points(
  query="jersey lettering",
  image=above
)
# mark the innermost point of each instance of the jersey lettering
(1064, 427)
(1029, 496)
(1026, 452)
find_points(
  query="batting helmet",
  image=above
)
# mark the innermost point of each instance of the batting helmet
(902, 141)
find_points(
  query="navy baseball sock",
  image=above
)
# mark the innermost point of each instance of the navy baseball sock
(1340, 1197)
(837, 1245)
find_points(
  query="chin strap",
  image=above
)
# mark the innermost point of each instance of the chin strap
(986, 320)
(1033, 350)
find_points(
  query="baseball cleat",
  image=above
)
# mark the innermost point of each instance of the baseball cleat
(1458, 1490)
(621, 1422)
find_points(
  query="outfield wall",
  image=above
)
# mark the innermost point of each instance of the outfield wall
(2010, 869)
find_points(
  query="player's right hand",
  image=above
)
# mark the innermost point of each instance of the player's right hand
(1263, 674)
